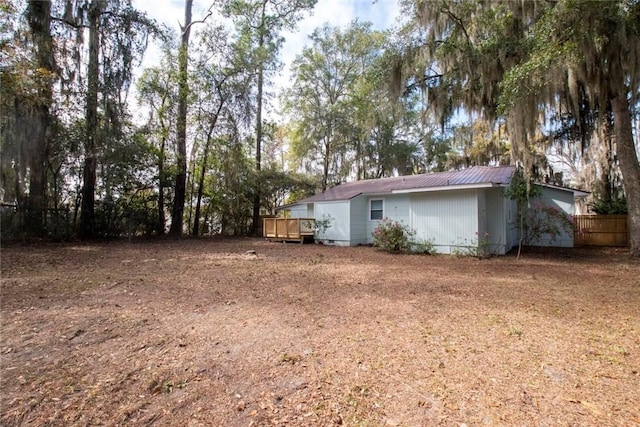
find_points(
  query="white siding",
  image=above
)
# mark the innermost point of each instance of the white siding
(562, 200)
(513, 227)
(482, 212)
(358, 207)
(449, 218)
(497, 214)
(397, 207)
(339, 232)
(298, 211)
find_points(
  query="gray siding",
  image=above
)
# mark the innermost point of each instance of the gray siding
(497, 213)
(298, 211)
(359, 213)
(397, 207)
(513, 230)
(563, 201)
(449, 218)
(453, 220)
(339, 232)
(482, 227)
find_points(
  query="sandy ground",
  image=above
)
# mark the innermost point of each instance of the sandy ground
(202, 332)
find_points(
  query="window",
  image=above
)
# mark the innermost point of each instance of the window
(375, 210)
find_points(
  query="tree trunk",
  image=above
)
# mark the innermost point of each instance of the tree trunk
(196, 222)
(205, 155)
(87, 213)
(39, 17)
(327, 160)
(161, 220)
(256, 197)
(191, 183)
(629, 166)
(177, 216)
(196, 217)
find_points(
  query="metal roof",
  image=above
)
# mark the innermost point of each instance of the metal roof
(475, 176)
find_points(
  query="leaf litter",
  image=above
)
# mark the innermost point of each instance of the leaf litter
(246, 332)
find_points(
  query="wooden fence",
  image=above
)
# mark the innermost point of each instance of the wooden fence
(288, 228)
(601, 230)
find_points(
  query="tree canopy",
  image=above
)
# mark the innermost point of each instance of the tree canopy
(549, 85)
(531, 65)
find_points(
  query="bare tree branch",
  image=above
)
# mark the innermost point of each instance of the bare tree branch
(201, 21)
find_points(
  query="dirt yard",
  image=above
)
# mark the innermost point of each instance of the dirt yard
(203, 332)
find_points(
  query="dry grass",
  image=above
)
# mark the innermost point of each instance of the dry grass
(202, 333)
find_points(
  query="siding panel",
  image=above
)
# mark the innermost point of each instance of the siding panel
(562, 200)
(397, 207)
(497, 212)
(359, 215)
(449, 218)
(511, 214)
(339, 232)
(298, 211)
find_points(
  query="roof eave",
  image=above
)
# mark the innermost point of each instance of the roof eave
(447, 188)
(575, 191)
(313, 200)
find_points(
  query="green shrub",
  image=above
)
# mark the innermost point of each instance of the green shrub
(478, 247)
(393, 236)
(320, 226)
(610, 207)
(426, 247)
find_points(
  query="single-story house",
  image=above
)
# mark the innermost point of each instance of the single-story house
(451, 209)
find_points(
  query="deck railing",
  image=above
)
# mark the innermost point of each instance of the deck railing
(288, 228)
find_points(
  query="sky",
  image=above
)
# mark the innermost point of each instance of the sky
(383, 14)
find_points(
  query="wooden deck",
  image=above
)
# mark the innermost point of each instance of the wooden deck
(288, 229)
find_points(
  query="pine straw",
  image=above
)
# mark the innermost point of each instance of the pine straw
(204, 333)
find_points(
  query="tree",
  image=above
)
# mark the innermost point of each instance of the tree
(384, 137)
(67, 85)
(231, 203)
(117, 38)
(260, 23)
(324, 101)
(39, 18)
(177, 216)
(223, 90)
(277, 185)
(156, 89)
(27, 75)
(342, 123)
(522, 62)
(479, 145)
(87, 212)
(562, 43)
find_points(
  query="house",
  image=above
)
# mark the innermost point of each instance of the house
(451, 209)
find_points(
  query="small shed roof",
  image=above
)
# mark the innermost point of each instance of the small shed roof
(475, 176)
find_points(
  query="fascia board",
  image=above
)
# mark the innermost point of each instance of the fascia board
(446, 188)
